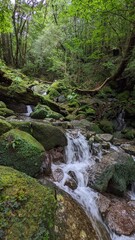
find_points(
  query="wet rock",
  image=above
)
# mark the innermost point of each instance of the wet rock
(57, 154)
(128, 148)
(71, 183)
(104, 137)
(46, 165)
(103, 204)
(58, 175)
(117, 177)
(120, 219)
(113, 173)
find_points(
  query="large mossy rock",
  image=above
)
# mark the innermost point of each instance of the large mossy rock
(31, 211)
(27, 209)
(117, 178)
(43, 111)
(2, 104)
(4, 126)
(5, 112)
(49, 136)
(21, 151)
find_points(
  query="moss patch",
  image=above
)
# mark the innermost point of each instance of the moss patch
(4, 126)
(106, 126)
(5, 112)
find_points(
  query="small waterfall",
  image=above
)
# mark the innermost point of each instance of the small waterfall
(132, 192)
(29, 110)
(120, 121)
(79, 159)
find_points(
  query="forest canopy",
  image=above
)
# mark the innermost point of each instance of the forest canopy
(75, 40)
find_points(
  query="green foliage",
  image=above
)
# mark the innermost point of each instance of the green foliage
(106, 126)
(129, 133)
(5, 16)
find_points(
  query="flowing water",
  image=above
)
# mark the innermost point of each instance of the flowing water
(121, 121)
(28, 110)
(79, 159)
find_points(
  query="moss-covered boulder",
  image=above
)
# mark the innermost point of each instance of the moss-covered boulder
(49, 136)
(27, 209)
(43, 111)
(21, 151)
(117, 177)
(4, 126)
(30, 211)
(2, 104)
(5, 112)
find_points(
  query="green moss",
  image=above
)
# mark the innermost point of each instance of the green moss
(73, 104)
(43, 111)
(21, 125)
(90, 111)
(27, 209)
(4, 126)
(2, 104)
(53, 93)
(95, 128)
(124, 96)
(129, 133)
(49, 136)
(59, 86)
(5, 112)
(130, 109)
(106, 92)
(20, 150)
(106, 126)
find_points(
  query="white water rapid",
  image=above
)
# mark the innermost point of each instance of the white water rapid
(79, 159)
